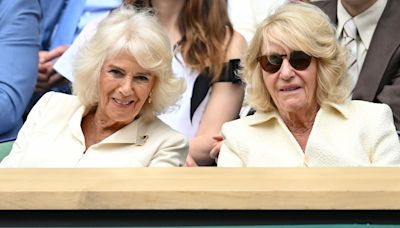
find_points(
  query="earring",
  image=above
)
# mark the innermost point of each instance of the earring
(150, 99)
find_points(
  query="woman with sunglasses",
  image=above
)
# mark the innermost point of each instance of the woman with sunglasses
(296, 79)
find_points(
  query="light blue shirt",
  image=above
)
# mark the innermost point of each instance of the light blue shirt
(19, 47)
(94, 9)
(91, 10)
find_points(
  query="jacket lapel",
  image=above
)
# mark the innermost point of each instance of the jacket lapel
(330, 8)
(384, 43)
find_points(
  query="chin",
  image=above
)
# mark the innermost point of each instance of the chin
(295, 107)
(122, 117)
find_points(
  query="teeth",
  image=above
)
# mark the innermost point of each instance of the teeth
(290, 89)
(122, 102)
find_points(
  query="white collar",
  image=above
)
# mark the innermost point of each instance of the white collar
(262, 117)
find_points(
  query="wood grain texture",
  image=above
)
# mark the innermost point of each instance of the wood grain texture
(201, 188)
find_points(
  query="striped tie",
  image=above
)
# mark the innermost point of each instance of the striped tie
(350, 43)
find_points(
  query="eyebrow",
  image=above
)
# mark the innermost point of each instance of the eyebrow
(274, 53)
(116, 67)
(121, 69)
(145, 73)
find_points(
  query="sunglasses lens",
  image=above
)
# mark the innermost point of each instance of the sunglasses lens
(270, 64)
(299, 60)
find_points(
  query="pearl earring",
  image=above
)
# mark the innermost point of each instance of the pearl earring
(150, 99)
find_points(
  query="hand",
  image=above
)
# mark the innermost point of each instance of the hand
(216, 147)
(190, 162)
(47, 76)
(48, 56)
(45, 83)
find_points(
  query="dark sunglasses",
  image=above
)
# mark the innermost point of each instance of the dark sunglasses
(272, 63)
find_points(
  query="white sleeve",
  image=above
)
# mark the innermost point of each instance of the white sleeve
(228, 158)
(246, 15)
(242, 18)
(22, 142)
(386, 148)
(172, 152)
(228, 155)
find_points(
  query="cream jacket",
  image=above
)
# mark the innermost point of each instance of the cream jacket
(356, 133)
(52, 137)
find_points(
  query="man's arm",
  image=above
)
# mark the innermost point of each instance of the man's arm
(19, 47)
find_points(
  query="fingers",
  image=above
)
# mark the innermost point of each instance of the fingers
(218, 137)
(216, 146)
(42, 77)
(215, 150)
(45, 68)
(45, 63)
(42, 82)
(46, 56)
(47, 81)
(47, 76)
(190, 161)
(58, 51)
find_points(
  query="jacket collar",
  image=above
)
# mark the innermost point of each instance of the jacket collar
(262, 117)
(133, 133)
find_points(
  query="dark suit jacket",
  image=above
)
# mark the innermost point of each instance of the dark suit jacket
(379, 79)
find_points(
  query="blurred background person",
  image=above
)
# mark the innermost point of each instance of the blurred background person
(296, 70)
(368, 29)
(19, 46)
(246, 15)
(207, 55)
(123, 79)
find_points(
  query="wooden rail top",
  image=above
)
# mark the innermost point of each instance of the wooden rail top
(201, 188)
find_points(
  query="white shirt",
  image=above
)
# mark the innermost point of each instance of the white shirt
(178, 117)
(94, 9)
(245, 15)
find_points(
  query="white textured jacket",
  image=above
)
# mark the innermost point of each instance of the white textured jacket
(52, 137)
(356, 133)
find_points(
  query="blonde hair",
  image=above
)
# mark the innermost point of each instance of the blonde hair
(304, 27)
(139, 34)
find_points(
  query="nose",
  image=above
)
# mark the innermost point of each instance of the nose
(286, 72)
(125, 87)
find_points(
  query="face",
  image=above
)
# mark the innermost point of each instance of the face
(124, 89)
(355, 7)
(292, 87)
(358, 2)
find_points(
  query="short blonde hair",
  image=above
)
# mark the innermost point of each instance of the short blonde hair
(304, 27)
(139, 34)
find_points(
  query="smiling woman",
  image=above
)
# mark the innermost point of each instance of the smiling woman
(296, 76)
(124, 88)
(122, 78)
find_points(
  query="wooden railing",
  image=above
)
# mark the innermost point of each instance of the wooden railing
(201, 188)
